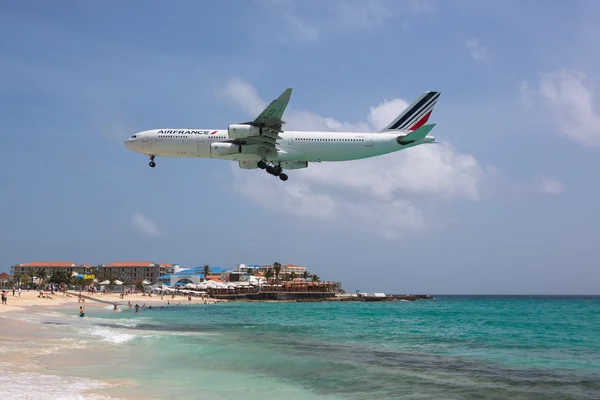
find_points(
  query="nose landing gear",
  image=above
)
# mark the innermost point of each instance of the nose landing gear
(152, 164)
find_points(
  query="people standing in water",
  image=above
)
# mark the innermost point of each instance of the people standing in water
(81, 311)
(115, 306)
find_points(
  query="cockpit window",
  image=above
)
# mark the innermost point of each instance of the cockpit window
(134, 136)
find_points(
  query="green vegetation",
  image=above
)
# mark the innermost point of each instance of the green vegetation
(277, 269)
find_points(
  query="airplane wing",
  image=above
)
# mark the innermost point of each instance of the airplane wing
(271, 122)
(271, 116)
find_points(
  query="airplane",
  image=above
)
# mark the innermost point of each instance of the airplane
(262, 143)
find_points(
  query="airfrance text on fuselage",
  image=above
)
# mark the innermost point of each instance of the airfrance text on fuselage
(164, 132)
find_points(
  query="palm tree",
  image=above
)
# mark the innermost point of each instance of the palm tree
(277, 269)
(41, 275)
(268, 274)
(251, 271)
(206, 270)
(315, 278)
(305, 275)
(93, 271)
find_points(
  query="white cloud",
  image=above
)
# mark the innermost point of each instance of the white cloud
(243, 95)
(300, 29)
(551, 186)
(385, 112)
(421, 6)
(361, 14)
(144, 224)
(477, 51)
(526, 94)
(572, 105)
(336, 16)
(373, 195)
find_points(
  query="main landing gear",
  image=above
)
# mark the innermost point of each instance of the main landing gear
(152, 164)
(274, 170)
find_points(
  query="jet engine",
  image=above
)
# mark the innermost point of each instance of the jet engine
(225, 149)
(240, 131)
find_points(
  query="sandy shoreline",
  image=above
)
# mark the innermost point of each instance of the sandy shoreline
(42, 340)
(30, 300)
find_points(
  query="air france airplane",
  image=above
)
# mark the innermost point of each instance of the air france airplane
(263, 144)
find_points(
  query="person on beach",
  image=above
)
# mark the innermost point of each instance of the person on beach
(116, 305)
(81, 312)
(3, 297)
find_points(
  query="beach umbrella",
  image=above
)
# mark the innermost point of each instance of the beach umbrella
(118, 282)
(145, 282)
(106, 282)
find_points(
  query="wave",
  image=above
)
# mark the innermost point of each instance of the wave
(33, 385)
(109, 335)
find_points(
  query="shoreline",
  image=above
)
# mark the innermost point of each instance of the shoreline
(55, 353)
(46, 341)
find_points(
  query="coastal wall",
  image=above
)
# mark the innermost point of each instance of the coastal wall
(314, 296)
(278, 296)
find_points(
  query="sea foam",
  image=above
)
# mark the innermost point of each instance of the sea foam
(34, 386)
(109, 335)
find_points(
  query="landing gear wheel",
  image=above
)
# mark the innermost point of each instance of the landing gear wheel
(270, 169)
(152, 164)
(261, 164)
(277, 170)
(283, 177)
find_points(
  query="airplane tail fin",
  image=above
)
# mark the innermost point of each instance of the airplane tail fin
(416, 135)
(415, 115)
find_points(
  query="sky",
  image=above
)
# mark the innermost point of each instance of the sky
(506, 203)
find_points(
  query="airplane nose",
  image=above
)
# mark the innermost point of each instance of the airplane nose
(129, 144)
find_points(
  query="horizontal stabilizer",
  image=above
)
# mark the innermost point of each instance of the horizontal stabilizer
(414, 136)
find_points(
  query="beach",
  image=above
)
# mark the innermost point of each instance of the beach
(447, 347)
(40, 345)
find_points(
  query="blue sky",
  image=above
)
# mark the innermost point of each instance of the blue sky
(508, 203)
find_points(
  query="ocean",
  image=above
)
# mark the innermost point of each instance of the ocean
(451, 347)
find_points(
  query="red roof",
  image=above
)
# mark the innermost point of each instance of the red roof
(212, 277)
(4, 275)
(49, 264)
(131, 264)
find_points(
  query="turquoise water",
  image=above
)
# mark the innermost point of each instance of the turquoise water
(450, 347)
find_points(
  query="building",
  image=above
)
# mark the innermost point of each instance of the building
(193, 275)
(5, 280)
(248, 267)
(285, 269)
(169, 269)
(130, 271)
(36, 268)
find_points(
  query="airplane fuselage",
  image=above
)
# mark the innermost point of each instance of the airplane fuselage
(293, 146)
